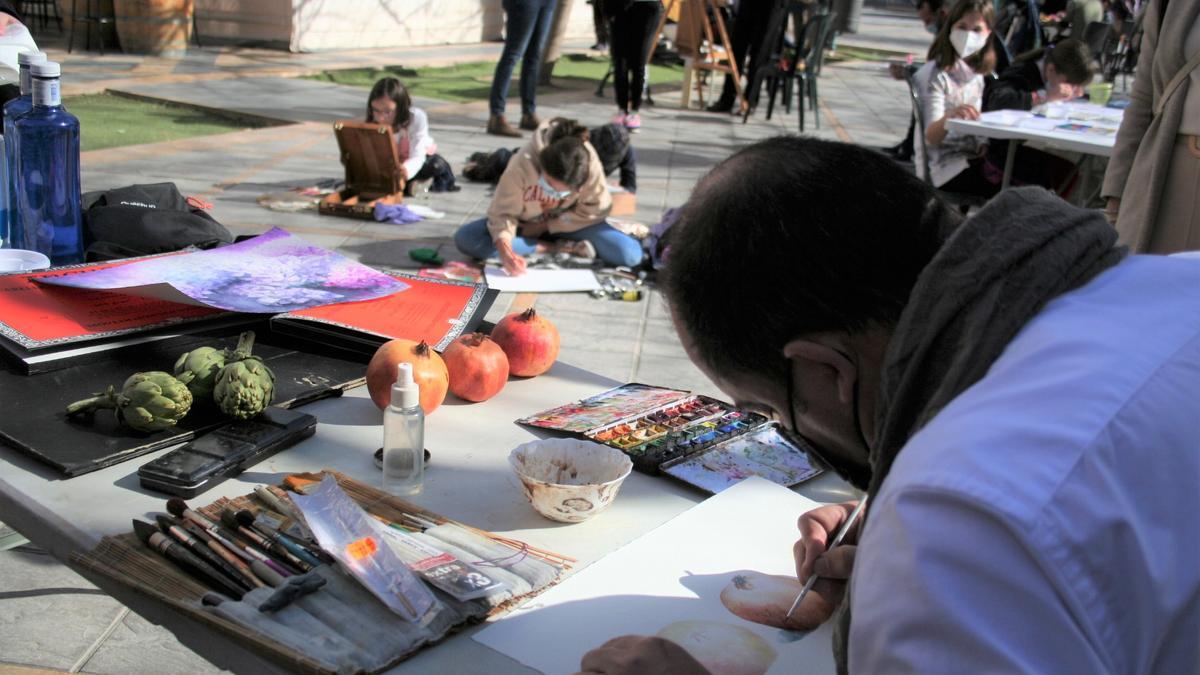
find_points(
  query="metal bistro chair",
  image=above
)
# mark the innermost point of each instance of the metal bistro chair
(811, 50)
(810, 37)
(40, 11)
(962, 200)
(93, 13)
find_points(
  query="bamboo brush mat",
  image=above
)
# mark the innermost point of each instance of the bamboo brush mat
(126, 560)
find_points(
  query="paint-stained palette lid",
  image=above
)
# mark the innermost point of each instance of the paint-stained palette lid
(604, 408)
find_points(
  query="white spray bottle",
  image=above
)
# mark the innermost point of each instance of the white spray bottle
(404, 436)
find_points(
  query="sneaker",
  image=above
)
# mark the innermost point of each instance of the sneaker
(619, 119)
(530, 121)
(498, 126)
(633, 121)
(576, 249)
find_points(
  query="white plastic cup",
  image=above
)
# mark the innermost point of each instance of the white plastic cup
(20, 260)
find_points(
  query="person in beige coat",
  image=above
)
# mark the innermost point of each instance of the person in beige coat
(1153, 179)
(552, 194)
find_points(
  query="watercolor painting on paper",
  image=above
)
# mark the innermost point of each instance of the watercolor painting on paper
(271, 273)
(669, 582)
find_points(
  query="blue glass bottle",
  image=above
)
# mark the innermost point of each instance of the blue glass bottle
(12, 110)
(47, 189)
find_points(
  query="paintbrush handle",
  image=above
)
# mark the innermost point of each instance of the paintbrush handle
(200, 548)
(193, 565)
(273, 546)
(242, 568)
(837, 541)
(296, 549)
(812, 579)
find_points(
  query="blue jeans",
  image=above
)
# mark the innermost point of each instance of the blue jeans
(612, 246)
(527, 24)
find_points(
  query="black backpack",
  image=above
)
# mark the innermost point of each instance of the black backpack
(146, 219)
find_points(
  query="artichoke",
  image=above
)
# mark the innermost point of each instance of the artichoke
(150, 401)
(198, 370)
(245, 385)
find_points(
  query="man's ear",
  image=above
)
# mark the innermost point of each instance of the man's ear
(818, 357)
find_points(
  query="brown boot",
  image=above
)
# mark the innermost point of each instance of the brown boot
(498, 126)
(530, 121)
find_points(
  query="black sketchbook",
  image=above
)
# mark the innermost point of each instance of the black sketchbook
(35, 421)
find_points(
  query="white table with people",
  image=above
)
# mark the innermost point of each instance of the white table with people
(1070, 126)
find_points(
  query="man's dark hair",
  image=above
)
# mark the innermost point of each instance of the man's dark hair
(793, 235)
(390, 87)
(1072, 60)
(933, 5)
(565, 156)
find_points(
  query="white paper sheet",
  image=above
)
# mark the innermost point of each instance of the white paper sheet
(542, 281)
(674, 573)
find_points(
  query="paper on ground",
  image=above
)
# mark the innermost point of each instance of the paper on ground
(542, 281)
(674, 573)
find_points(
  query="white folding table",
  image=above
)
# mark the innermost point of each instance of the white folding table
(468, 479)
(1072, 127)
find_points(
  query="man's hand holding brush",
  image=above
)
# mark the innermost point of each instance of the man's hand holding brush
(831, 564)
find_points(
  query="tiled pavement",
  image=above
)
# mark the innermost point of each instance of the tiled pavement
(50, 618)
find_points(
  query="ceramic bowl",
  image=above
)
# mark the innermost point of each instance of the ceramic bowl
(19, 260)
(569, 480)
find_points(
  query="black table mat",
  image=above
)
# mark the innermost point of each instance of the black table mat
(34, 420)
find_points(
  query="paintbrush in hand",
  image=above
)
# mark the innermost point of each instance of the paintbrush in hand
(837, 540)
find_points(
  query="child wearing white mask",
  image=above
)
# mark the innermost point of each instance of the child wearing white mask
(950, 85)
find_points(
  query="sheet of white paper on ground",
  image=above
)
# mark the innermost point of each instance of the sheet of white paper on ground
(542, 281)
(674, 574)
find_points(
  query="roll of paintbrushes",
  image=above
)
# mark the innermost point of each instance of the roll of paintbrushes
(247, 520)
(185, 559)
(240, 568)
(200, 549)
(247, 553)
(230, 520)
(179, 508)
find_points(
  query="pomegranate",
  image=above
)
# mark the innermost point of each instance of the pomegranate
(530, 342)
(429, 372)
(478, 367)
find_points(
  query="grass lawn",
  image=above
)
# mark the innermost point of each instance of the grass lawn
(107, 121)
(472, 81)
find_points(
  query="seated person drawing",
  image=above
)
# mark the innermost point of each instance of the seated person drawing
(389, 103)
(610, 141)
(1056, 73)
(552, 194)
(950, 86)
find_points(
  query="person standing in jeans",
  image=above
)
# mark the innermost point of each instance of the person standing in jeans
(633, 25)
(527, 24)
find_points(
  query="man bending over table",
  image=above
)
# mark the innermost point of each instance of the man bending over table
(1017, 394)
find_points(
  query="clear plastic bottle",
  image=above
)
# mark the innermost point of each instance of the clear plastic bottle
(47, 182)
(404, 436)
(12, 110)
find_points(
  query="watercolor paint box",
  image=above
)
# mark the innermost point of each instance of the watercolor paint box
(694, 438)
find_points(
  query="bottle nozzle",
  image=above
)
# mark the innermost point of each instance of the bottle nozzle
(405, 392)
